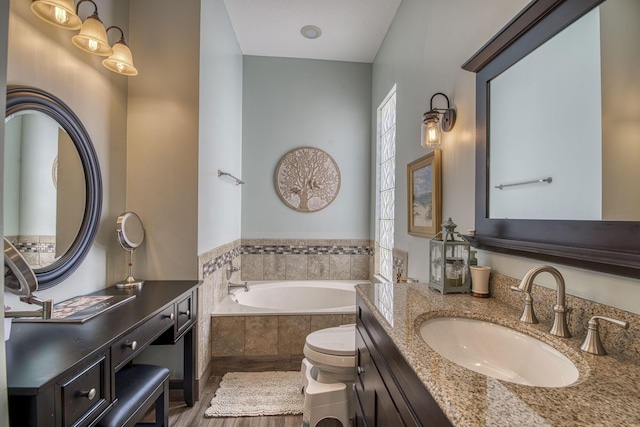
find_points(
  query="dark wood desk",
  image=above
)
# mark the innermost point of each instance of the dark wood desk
(62, 374)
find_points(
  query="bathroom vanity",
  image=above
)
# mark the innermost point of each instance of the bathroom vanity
(386, 391)
(403, 381)
(62, 374)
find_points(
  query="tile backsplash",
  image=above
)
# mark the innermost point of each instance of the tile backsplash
(305, 259)
(615, 339)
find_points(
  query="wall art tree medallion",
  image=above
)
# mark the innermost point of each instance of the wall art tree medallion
(307, 179)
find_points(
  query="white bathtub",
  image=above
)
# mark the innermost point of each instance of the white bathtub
(292, 297)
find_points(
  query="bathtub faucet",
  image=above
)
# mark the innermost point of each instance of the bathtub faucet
(237, 285)
(231, 269)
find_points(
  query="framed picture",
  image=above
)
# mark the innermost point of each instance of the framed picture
(424, 195)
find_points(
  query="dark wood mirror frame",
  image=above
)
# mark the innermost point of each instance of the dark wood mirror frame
(23, 98)
(606, 246)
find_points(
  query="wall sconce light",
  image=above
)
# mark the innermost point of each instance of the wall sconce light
(60, 13)
(431, 123)
(92, 37)
(121, 61)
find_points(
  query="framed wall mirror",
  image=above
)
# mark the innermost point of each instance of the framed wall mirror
(558, 135)
(52, 184)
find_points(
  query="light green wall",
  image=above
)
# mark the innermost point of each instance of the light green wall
(220, 135)
(423, 52)
(290, 103)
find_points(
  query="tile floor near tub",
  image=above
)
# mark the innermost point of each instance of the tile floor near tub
(265, 342)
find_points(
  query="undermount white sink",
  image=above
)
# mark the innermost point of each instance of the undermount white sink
(498, 351)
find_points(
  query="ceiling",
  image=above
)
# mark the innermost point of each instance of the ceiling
(352, 30)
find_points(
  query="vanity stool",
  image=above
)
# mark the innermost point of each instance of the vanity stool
(138, 387)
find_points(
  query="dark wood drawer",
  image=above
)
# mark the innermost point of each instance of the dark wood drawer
(185, 314)
(86, 395)
(132, 343)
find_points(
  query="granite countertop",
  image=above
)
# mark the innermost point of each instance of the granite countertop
(606, 393)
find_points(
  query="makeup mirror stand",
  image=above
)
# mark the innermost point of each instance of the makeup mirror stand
(130, 236)
(130, 281)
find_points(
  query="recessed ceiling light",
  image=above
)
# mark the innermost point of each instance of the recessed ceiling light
(311, 32)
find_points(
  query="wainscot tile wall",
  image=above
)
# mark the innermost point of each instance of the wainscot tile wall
(270, 342)
(287, 259)
(211, 268)
(39, 251)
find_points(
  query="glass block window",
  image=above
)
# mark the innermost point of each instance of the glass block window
(387, 183)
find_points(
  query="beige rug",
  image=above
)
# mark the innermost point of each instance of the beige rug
(250, 394)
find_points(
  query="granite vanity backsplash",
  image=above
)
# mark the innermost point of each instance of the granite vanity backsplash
(614, 339)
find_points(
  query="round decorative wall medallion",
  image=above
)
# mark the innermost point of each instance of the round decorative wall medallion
(307, 179)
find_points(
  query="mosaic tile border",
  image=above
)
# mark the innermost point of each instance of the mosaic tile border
(209, 267)
(306, 250)
(36, 247)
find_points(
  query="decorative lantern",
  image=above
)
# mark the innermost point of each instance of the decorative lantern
(449, 266)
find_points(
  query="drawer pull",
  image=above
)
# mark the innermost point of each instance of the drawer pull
(360, 370)
(186, 313)
(170, 316)
(132, 345)
(90, 394)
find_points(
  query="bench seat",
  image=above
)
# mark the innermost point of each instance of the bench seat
(138, 387)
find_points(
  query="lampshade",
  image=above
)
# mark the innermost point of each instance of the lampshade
(93, 37)
(60, 13)
(121, 61)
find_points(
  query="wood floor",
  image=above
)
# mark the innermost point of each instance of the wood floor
(181, 415)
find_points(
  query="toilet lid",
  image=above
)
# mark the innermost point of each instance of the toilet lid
(338, 341)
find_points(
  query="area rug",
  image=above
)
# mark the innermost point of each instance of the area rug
(250, 394)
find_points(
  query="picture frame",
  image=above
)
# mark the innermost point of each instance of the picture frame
(424, 195)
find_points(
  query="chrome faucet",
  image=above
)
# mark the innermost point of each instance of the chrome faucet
(237, 285)
(560, 327)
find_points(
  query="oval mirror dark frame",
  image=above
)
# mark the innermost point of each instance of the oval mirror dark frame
(607, 246)
(24, 98)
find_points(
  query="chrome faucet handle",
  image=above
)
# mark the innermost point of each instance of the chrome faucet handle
(528, 315)
(592, 343)
(231, 269)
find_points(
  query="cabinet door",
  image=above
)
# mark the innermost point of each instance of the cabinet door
(371, 391)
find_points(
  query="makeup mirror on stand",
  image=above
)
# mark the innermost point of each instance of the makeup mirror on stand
(130, 236)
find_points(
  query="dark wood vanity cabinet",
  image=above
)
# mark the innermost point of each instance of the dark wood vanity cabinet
(386, 391)
(63, 374)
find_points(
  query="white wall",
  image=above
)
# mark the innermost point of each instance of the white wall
(290, 103)
(43, 56)
(162, 136)
(220, 134)
(423, 51)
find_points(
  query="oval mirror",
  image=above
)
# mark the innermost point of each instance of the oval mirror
(130, 236)
(52, 184)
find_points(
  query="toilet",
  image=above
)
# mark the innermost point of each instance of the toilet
(328, 372)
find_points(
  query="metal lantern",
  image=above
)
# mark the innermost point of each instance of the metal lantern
(449, 261)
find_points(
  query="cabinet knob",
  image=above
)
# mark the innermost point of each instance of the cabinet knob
(89, 394)
(360, 370)
(186, 313)
(132, 345)
(170, 316)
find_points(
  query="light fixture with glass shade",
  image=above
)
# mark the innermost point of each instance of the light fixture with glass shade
(60, 13)
(92, 37)
(121, 61)
(434, 121)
